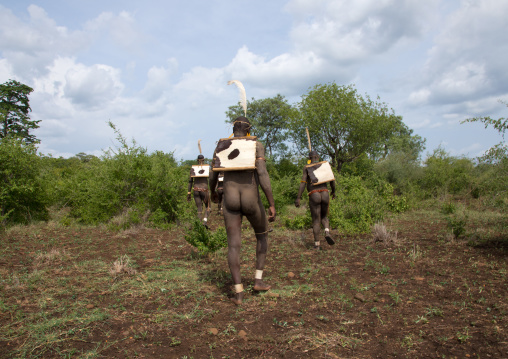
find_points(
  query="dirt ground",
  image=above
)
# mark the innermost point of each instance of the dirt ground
(419, 295)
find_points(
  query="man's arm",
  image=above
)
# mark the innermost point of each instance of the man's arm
(332, 186)
(212, 182)
(264, 179)
(303, 183)
(191, 181)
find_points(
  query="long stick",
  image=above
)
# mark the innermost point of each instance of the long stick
(199, 145)
(308, 138)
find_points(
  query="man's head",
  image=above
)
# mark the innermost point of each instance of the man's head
(241, 126)
(313, 156)
(201, 159)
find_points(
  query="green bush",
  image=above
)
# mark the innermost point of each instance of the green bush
(355, 209)
(444, 174)
(402, 171)
(457, 223)
(22, 194)
(204, 240)
(360, 204)
(129, 182)
(298, 222)
(285, 190)
(448, 208)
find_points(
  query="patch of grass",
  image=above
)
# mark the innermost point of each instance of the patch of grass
(395, 297)
(415, 253)
(433, 311)
(463, 335)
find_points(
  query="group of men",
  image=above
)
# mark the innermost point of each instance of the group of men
(240, 189)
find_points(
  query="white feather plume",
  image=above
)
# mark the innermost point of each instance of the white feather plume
(243, 95)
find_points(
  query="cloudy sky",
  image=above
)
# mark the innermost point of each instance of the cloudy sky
(158, 68)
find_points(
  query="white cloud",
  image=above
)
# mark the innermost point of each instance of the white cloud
(6, 71)
(419, 124)
(93, 86)
(419, 97)
(158, 80)
(121, 29)
(351, 32)
(31, 47)
(468, 59)
(286, 72)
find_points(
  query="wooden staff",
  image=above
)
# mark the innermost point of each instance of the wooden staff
(308, 138)
(199, 145)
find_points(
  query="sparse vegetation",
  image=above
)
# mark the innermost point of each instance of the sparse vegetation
(204, 240)
(74, 291)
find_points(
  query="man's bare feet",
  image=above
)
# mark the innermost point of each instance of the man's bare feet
(259, 285)
(237, 299)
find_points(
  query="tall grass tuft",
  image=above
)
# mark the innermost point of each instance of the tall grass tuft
(122, 265)
(381, 234)
(204, 240)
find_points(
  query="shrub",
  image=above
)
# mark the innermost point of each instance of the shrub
(298, 222)
(445, 174)
(285, 190)
(457, 223)
(129, 181)
(401, 170)
(359, 204)
(357, 207)
(448, 208)
(22, 194)
(204, 240)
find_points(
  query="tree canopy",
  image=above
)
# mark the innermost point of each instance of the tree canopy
(14, 109)
(343, 125)
(268, 118)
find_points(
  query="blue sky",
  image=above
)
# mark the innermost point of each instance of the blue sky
(159, 69)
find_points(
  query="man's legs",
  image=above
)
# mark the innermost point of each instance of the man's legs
(199, 204)
(315, 212)
(219, 194)
(325, 202)
(233, 222)
(259, 223)
(206, 202)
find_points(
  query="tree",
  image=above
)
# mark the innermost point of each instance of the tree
(403, 141)
(499, 152)
(268, 118)
(14, 109)
(343, 125)
(494, 163)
